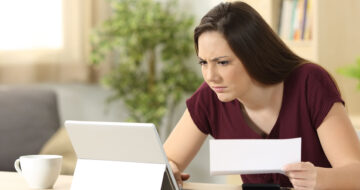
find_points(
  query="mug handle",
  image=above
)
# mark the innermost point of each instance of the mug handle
(17, 166)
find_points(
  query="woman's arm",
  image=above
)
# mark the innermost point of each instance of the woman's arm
(183, 144)
(342, 148)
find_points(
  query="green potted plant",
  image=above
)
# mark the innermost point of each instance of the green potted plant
(152, 44)
(352, 70)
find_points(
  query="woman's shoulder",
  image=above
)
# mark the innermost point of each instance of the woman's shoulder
(204, 87)
(308, 71)
(309, 68)
(203, 96)
(203, 92)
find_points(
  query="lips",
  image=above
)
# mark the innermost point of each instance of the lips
(218, 89)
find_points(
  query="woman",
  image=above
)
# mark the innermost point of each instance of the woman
(255, 87)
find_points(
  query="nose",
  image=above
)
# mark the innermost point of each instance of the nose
(210, 73)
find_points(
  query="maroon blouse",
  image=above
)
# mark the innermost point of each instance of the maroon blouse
(309, 93)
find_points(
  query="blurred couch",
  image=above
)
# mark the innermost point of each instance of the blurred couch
(28, 118)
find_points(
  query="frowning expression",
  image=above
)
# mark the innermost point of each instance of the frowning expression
(222, 70)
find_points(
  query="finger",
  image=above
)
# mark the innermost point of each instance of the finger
(298, 166)
(302, 183)
(299, 183)
(307, 174)
(179, 181)
(301, 188)
(185, 176)
(176, 173)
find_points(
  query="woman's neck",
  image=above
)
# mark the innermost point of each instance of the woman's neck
(261, 97)
(261, 107)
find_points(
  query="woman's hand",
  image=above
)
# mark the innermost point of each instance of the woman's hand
(302, 175)
(179, 177)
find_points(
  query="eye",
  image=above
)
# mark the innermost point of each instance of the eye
(202, 62)
(223, 62)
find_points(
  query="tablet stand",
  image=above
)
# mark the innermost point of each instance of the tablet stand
(104, 174)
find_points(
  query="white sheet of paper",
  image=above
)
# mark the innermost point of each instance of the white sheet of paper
(252, 156)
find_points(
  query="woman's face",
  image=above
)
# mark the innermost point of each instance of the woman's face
(221, 68)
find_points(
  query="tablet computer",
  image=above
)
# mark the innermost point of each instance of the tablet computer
(121, 155)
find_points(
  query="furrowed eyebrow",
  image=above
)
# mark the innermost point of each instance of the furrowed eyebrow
(214, 59)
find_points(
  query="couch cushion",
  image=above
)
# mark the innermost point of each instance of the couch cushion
(60, 144)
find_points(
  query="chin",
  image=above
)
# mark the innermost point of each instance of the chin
(225, 98)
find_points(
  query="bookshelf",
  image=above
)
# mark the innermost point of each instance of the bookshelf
(335, 39)
(271, 11)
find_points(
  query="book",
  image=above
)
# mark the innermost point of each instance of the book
(308, 21)
(285, 19)
(295, 20)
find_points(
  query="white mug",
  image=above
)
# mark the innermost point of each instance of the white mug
(39, 171)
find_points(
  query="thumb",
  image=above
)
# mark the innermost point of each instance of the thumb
(185, 176)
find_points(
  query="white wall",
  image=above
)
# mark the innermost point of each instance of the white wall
(198, 8)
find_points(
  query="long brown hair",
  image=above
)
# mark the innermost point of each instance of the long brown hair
(265, 56)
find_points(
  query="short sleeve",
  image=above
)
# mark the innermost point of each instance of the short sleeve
(322, 92)
(196, 105)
